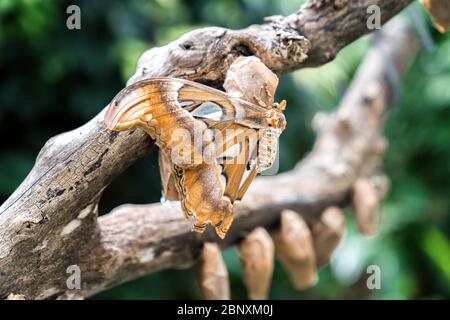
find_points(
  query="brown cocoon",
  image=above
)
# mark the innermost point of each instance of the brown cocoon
(213, 274)
(365, 203)
(257, 253)
(294, 248)
(440, 11)
(327, 233)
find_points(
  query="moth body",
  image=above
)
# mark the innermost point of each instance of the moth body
(267, 149)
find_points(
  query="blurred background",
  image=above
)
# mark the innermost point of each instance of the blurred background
(53, 80)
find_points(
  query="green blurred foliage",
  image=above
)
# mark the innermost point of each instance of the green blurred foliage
(53, 80)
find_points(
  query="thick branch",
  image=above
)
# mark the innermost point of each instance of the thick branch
(331, 25)
(50, 221)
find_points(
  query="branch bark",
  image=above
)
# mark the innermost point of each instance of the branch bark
(50, 221)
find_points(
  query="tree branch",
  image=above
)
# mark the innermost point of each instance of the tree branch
(50, 221)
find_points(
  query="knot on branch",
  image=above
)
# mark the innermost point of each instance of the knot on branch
(292, 48)
(192, 53)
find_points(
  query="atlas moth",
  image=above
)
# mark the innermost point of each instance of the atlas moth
(238, 133)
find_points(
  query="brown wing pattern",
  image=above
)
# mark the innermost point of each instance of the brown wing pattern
(226, 127)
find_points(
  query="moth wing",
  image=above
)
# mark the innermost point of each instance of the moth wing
(149, 102)
(168, 180)
(236, 155)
